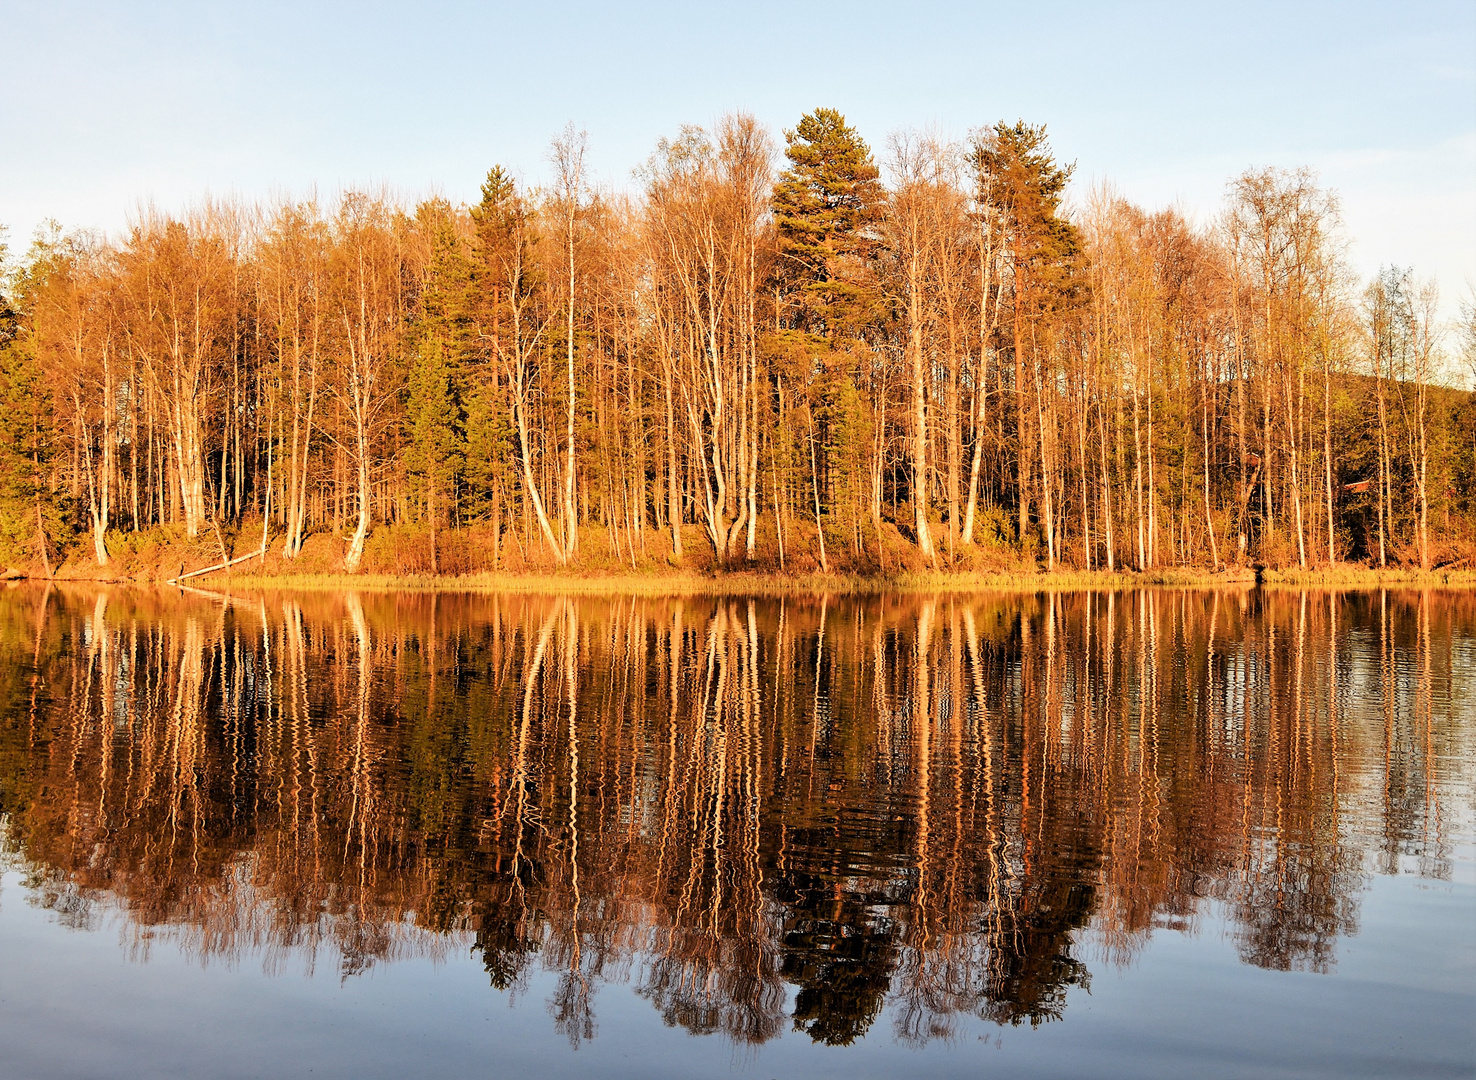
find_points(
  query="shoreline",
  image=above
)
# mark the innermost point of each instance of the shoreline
(751, 583)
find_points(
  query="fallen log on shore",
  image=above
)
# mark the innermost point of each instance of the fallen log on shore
(218, 566)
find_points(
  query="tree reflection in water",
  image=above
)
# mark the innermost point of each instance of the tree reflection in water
(947, 805)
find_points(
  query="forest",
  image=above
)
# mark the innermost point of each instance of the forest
(937, 355)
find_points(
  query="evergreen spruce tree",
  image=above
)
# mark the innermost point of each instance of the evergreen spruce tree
(433, 417)
(505, 287)
(487, 470)
(487, 466)
(443, 370)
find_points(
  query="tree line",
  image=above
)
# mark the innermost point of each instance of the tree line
(792, 360)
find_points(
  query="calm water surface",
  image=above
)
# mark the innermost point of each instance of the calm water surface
(1140, 834)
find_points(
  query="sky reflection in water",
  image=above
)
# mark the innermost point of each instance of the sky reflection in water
(1133, 834)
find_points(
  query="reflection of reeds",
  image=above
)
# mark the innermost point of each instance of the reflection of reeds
(925, 800)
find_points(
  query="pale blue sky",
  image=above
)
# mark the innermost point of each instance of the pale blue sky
(105, 104)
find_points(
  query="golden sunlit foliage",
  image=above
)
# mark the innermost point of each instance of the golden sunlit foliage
(820, 358)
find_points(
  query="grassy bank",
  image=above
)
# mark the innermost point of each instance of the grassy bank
(401, 559)
(1364, 577)
(733, 583)
(676, 582)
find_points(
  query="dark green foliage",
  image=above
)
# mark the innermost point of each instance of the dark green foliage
(502, 277)
(826, 206)
(487, 468)
(839, 955)
(433, 417)
(25, 427)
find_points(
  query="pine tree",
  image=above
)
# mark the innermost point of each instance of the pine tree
(826, 205)
(1018, 188)
(20, 442)
(29, 513)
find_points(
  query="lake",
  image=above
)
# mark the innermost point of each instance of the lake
(1151, 833)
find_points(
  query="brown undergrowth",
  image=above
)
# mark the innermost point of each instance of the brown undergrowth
(474, 558)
